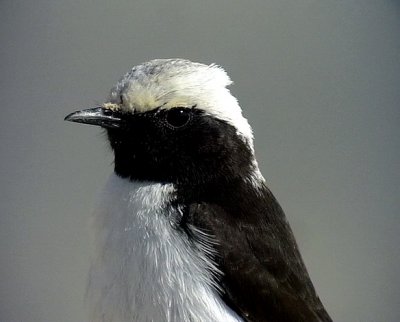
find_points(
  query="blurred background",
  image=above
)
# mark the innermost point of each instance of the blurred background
(318, 80)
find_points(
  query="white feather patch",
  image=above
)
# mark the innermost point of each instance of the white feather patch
(169, 83)
(145, 270)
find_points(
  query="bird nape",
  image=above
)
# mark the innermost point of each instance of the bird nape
(186, 228)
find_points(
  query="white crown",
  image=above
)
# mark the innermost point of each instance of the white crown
(169, 83)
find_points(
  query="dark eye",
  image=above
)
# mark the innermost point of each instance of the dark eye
(178, 117)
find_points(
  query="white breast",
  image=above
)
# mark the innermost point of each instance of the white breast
(145, 270)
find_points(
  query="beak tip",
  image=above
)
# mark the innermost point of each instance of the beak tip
(72, 117)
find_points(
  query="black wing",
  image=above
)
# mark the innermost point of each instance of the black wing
(264, 278)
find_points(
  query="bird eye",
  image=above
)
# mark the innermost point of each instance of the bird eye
(178, 117)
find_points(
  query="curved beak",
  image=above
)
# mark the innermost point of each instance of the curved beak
(96, 116)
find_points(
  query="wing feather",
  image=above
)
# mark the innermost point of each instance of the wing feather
(264, 278)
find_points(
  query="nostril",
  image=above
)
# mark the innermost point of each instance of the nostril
(107, 112)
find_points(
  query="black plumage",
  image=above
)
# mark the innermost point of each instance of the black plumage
(263, 275)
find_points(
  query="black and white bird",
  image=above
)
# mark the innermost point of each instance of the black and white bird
(186, 228)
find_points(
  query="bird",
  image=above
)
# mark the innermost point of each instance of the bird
(186, 228)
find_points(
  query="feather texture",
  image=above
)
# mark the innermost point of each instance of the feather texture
(145, 269)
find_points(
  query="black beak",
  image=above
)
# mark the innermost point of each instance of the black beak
(96, 116)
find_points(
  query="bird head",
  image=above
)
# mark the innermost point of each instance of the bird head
(175, 121)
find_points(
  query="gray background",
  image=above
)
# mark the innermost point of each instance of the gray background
(318, 80)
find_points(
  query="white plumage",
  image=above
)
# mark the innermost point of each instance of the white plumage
(144, 270)
(170, 83)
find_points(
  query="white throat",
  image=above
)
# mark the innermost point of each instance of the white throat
(145, 270)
